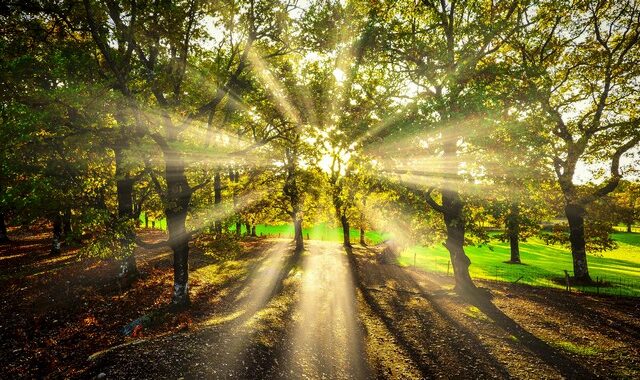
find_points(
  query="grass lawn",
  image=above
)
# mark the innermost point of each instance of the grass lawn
(542, 263)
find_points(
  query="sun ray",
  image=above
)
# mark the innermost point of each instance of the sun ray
(274, 87)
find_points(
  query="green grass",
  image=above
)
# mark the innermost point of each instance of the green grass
(321, 231)
(161, 223)
(542, 263)
(576, 349)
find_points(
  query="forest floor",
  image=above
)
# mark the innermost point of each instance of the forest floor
(268, 313)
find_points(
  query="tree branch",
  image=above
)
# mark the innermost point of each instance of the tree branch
(432, 201)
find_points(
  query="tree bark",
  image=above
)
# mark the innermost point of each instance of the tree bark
(253, 230)
(362, 222)
(124, 193)
(575, 216)
(67, 228)
(4, 238)
(57, 235)
(178, 198)
(629, 227)
(513, 231)
(291, 190)
(146, 219)
(298, 238)
(452, 208)
(217, 199)
(346, 236)
(248, 227)
(238, 228)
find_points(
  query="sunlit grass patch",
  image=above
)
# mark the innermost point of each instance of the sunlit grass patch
(576, 349)
(475, 313)
(222, 319)
(220, 273)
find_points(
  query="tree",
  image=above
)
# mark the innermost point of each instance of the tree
(446, 49)
(580, 69)
(626, 199)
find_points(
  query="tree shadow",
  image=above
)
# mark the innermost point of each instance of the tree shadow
(416, 355)
(593, 316)
(567, 367)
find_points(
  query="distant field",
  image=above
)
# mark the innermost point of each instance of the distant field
(543, 264)
(319, 232)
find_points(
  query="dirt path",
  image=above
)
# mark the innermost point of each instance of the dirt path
(327, 339)
(270, 313)
(296, 318)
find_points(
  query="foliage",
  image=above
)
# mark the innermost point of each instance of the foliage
(222, 248)
(113, 240)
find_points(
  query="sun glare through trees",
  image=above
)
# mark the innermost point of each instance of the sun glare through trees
(320, 189)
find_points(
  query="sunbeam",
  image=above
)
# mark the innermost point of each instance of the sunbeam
(327, 336)
(274, 87)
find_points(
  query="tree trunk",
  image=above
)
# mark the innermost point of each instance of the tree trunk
(235, 177)
(575, 216)
(66, 223)
(178, 198)
(248, 227)
(146, 220)
(346, 238)
(362, 222)
(217, 199)
(124, 193)
(298, 238)
(57, 235)
(253, 230)
(513, 231)
(629, 227)
(454, 221)
(4, 238)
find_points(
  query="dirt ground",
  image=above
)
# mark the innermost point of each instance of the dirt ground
(270, 313)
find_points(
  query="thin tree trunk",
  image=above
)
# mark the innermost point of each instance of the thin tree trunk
(362, 222)
(248, 227)
(57, 235)
(146, 219)
(178, 198)
(4, 238)
(513, 231)
(217, 199)
(298, 238)
(67, 228)
(346, 238)
(253, 230)
(575, 216)
(454, 221)
(629, 225)
(124, 192)
(238, 228)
